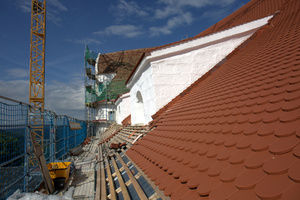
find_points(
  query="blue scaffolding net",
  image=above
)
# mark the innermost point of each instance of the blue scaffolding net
(18, 168)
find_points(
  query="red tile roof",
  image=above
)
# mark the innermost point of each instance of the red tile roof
(236, 134)
(127, 121)
(255, 9)
(120, 62)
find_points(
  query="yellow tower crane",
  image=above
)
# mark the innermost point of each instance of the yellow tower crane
(37, 67)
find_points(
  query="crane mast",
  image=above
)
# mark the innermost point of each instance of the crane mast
(37, 67)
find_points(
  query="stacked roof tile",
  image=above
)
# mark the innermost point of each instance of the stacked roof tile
(235, 134)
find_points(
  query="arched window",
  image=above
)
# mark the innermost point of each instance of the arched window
(139, 109)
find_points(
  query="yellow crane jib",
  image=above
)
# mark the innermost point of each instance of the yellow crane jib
(37, 67)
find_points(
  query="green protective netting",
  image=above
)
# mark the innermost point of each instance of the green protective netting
(89, 57)
(110, 92)
(113, 90)
(100, 88)
(90, 60)
(90, 97)
(102, 92)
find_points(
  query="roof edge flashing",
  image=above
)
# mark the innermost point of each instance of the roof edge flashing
(96, 65)
(142, 66)
(121, 97)
(195, 43)
(208, 39)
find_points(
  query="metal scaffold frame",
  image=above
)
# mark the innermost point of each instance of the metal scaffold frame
(89, 80)
(17, 168)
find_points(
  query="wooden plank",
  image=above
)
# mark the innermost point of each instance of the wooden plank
(99, 177)
(102, 175)
(136, 131)
(156, 189)
(121, 182)
(111, 181)
(134, 182)
(74, 126)
(42, 164)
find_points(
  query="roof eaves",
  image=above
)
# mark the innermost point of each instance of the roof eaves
(123, 95)
(135, 68)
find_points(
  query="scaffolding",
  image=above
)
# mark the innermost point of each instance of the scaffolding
(90, 83)
(104, 85)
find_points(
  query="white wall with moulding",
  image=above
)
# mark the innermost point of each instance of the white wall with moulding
(122, 107)
(166, 72)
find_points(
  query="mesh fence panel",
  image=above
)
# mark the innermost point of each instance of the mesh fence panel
(18, 168)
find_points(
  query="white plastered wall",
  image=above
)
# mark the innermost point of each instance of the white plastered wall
(144, 84)
(165, 73)
(123, 107)
(102, 111)
(173, 74)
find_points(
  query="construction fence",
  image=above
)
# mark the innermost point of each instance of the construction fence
(18, 168)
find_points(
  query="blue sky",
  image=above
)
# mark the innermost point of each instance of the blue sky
(105, 26)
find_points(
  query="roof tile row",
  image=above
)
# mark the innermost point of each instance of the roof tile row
(236, 134)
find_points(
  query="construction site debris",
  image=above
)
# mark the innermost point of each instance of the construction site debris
(18, 195)
(76, 151)
(117, 145)
(86, 141)
(42, 164)
(75, 126)
(59, 173)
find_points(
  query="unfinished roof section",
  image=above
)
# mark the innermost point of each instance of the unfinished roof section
(120, 62)
(236, 134)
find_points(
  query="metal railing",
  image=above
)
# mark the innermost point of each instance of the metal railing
(18, 168)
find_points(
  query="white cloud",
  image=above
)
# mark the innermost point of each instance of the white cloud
(57, 5)
(18, 72)
(176, 14)
(85, 41)
(62, 98)
(174, 22)
(165, 12)
(53, 8)
(13, 60)
(171, 7)
(15, 89)
(65, 96)
(24, 6)
(128, 31)
(66, 58)
(124, 8)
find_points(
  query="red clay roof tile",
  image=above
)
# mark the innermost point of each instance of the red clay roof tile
(249, 179)
(294, 172)
(292, 193)
(235, 134)
(279, 164)
(273, 186)
(223, 191)
(257, 160)
(243, 194)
